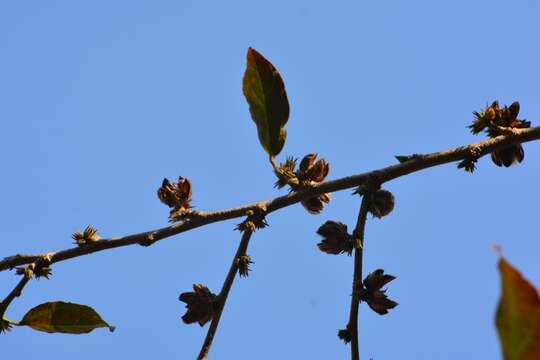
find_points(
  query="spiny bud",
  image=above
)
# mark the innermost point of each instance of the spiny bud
(382, 203)
(255, 220)
(469, 164)
(200, 304)
(373, 293)
(336, 240)
(89, 235)
(43, 271)
(285, 174)
(5, 326)
(243, 265)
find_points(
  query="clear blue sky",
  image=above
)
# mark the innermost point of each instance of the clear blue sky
(102, 99)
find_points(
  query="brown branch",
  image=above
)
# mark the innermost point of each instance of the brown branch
(16, 292)
(204, 218)
(222, 297)
(358, 237)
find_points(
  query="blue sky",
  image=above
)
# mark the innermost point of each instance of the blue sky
(101, 100)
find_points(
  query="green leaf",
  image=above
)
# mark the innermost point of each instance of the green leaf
(64, 317)
(268, 104)
(518, 315)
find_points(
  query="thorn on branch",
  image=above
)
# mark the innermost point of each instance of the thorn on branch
(405, 158)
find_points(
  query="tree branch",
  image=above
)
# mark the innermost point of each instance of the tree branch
(204, 218)
(222, 297)
(16, 292)
(358, 237)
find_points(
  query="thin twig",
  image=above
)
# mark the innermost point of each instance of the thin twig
(358, 236)
(204, 218)
(16, 292)
(222, 297)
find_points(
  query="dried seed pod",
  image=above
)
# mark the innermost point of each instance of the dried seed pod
(200, 304)
(336, 240)
(508, 155)
(316, 204)
(312, 170)
(382, 203)
(176, 196)
(373, 293)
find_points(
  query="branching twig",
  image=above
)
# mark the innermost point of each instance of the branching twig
(203, 218)
(358, 237)
(222, 297)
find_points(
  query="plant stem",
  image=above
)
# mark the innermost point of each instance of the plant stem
(227, 284)
(358, 235)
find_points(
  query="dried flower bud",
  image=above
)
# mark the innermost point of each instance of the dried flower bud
(315, 204)
(243, 265)
(176, 196)
(307, 162)
(345, 335)
(508, 155)
(493, 118)
(312, 171)
(336, 240)
(513, 110)
(200, 304)
(88, 236)
(382, 203)
(373, 293)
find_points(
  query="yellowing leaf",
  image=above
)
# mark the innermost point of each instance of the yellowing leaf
(64, 317)
(268, 104)
(518, 315)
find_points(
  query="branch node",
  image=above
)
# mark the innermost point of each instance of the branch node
(149, 239)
